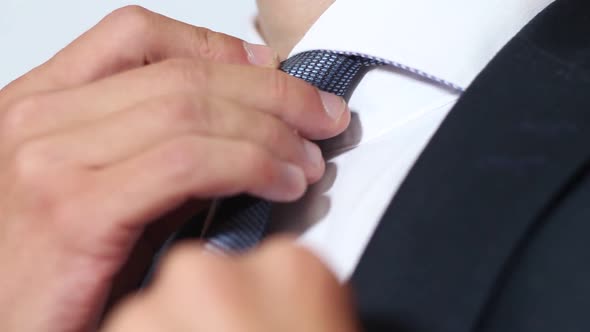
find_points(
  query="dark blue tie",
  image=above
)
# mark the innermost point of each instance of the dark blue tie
(239, 223)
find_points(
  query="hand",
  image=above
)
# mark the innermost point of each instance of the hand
(126, 124)
(279, 287)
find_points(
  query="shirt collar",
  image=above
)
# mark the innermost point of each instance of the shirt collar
(451, 40)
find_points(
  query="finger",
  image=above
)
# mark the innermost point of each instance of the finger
(317, 115)
(122, 134)
(192, 277)
(164, 177)
(132, 37)
(137, 313)
(323, 305)
(191, 280)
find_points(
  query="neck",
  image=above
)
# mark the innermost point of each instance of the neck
(282, 23)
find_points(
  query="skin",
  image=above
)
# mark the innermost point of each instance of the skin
(242, 294)
(279, 287)
(169, 127)
(283, 23)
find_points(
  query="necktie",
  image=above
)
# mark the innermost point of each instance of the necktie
(239, 223)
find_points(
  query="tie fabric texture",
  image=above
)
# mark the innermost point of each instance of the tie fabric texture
(236, 224)
(239, 223)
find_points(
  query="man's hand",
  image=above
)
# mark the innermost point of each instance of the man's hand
(137, 116)
(279, 287)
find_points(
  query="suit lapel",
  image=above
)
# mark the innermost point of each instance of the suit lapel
(503, 155)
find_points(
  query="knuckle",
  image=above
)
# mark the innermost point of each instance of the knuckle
(257, 161)
(47, 193)
(40, 154)
(132, 21)
(132, 15)
(273, 132)
(179, 159)
(129, 11)
(30, 160)
(206, 40)
(19, 115)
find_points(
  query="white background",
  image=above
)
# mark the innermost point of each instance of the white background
(33, 30)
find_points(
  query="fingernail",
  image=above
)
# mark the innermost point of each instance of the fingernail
(314, 154)
(261, 55)
(333, 105)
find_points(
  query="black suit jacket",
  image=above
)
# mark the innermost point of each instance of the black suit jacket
(491, 229)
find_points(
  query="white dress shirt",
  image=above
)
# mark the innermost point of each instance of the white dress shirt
(395, 113)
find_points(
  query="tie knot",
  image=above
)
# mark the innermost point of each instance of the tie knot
(328, 71)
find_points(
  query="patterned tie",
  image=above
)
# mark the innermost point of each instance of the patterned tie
(240, 223)
(237, 224)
